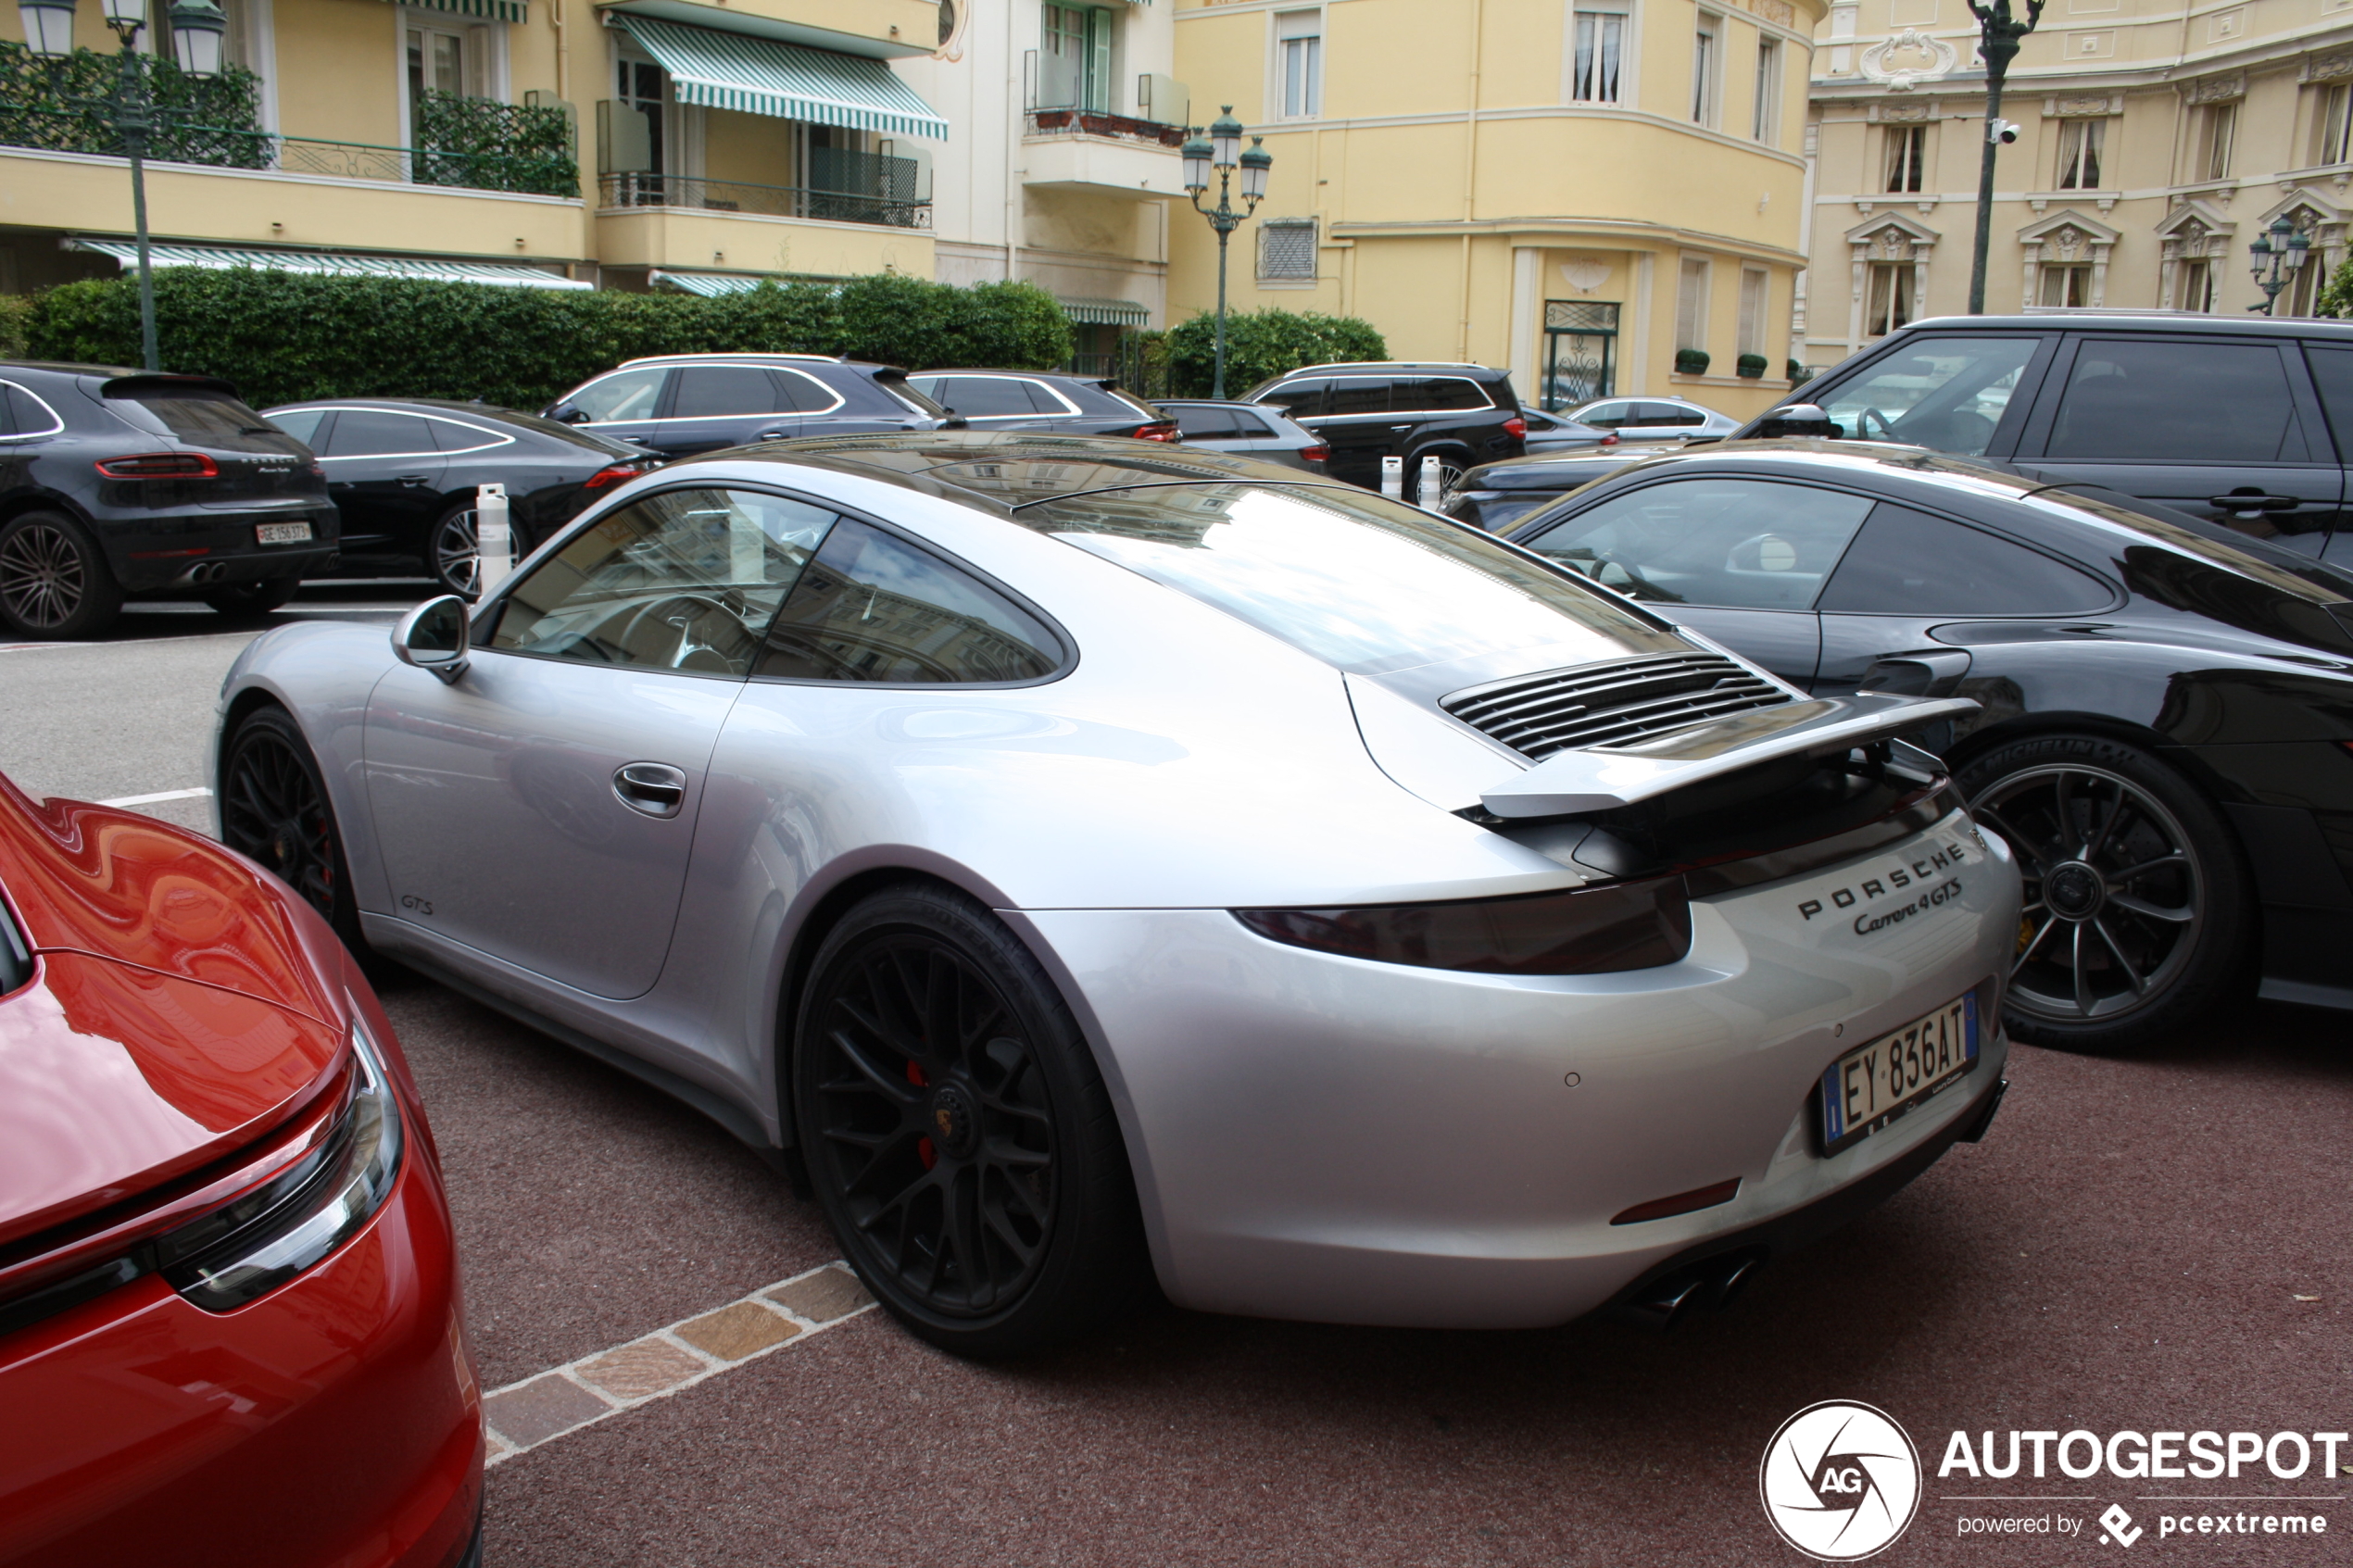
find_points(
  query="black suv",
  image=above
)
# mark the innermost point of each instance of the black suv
(115, 484)
(681, 404)
(1463, 415)
(2244, 423)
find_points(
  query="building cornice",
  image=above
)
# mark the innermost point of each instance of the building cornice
(1577, 229)
(1538, 111)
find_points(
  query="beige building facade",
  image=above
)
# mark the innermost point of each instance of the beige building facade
(1576, 189)
(2154, 143)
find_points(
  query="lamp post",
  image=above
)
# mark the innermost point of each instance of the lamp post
(1998, 33)
(1221, 150)
(130, 109)
(2278, 254)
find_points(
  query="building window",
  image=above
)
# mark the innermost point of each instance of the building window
(1906, 157)
(2065, 285)
(2330, 132)
(1706, 46)
(2080, 142)
(1299, 47)
(1889, 304)
(1073, 59)
(2215, 135)
(1756, 287)
(1600, 58)
(2195, 288)
(1287, 250)
(448, 59)
(1690, 305)
(1767, 125)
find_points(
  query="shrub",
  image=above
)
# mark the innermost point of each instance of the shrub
(1262, 344)
(1690, 361)
(1751, 366)
(2336, 295)
(15, 318)
(281, 337)
(1798, 374)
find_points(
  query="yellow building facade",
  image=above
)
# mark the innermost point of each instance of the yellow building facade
(1575, 188)
(2154, 143)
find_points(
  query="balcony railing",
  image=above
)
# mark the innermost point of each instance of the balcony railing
(762, 201)
(1077, 122)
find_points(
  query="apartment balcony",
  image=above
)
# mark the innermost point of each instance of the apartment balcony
(674, 222)
(1103, 154)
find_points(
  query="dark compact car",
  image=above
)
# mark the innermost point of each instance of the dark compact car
(687, 403)
(1463, 415)
(1041, 400)
(119, 484)
(403, 473)
(1249, 430)
(1495, 496)
(2245, 422)
(2166, 729)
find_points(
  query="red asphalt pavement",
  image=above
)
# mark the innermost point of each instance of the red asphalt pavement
(2124, 1251)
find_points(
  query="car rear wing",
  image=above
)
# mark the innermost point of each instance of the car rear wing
(1570, 783)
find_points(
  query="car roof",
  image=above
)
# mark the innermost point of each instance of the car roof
(742, 356)
(62, 368)
(2106, 320)
(1001, 371)
(1455, 366)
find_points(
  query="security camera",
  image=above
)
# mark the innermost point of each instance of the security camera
(2002, 131)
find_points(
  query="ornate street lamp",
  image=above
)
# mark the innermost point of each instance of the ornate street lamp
(1998, 33)
(2278, 255)
(1222, 150)
(130, 111)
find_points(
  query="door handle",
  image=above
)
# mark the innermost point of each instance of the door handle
(2256, 502)
(656, 789)
(770, 436)
(1931, 673)
(412, 479)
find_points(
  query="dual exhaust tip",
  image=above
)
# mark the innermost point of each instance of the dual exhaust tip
(206, 571)
(1710, 1284)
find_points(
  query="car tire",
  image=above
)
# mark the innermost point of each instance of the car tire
(275, 810)
(54, 580)
(452, 554)
(254, 598)
(2139, 906)
(957, 1131)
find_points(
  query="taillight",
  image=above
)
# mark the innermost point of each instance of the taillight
(1609, 440)
(160, 465)
(1516, 428)
(613, 474)
(1164, 431)
(1585, 931)
(1315, 454)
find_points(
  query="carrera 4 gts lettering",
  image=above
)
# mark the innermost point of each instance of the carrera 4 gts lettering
(1896, 879)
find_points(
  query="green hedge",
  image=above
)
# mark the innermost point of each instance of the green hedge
(16, 316)
(1259, 344)
(283, 336)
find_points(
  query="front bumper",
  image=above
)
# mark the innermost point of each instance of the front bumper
(1323, 1137)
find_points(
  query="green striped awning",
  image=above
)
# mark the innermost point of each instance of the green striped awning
(729, 70)
(1105, 312)
(219, 259)
(516, 11)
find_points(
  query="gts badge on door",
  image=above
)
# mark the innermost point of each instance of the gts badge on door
(410, 902)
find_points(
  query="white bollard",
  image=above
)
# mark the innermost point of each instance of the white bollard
(494, 540)
(1432, 492)
(1393, 477)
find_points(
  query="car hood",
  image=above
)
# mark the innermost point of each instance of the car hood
(1558, 473)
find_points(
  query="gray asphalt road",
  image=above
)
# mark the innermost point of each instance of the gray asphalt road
(2146, 1245)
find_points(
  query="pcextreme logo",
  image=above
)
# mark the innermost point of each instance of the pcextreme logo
(1841, 1481)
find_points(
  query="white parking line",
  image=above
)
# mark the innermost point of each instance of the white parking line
(161, 795)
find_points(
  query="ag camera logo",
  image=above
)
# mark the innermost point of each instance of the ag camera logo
(1841, 1481)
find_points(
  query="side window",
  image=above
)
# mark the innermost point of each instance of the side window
(1748, 544)
(872, 608)
(985, 396)
(1669, 414)
(1362, 394)
(718, 392)
(1909, 563)
(301, 424)
(1436, 392)
(372, 433)
(2332, 371)
(804, 393)
(624, 394)
(11, 401)
(684, 579)
(1943, 392)
(1606, 416)
(2155, 401)
(451, 435)
(1206, 424)
(1300, 399)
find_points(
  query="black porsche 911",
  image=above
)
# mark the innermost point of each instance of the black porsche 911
(403, 473)
(2166, 728)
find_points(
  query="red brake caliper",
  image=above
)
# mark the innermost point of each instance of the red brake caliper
(923, 1150)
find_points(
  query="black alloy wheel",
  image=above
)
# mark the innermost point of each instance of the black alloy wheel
(957, 1131)
(254, 598)
(2136, 908)
(454, 557)
(54, 581)
(274, 809)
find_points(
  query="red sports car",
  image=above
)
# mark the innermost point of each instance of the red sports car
(230, 1323)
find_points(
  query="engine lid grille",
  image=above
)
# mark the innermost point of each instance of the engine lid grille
(1610, 704)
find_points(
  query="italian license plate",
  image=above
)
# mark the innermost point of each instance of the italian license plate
(281, 532)
(1876, 1084)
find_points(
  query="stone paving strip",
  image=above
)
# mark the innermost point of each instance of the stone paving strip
(541, 1408)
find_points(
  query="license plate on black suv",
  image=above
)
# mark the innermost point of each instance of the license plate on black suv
(281, 532)
(1876, 1084)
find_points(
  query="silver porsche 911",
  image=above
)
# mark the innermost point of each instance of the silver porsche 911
(1079, 856)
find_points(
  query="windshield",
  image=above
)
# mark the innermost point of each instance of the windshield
(200, 416)
(1368, 584)
(1948, 392)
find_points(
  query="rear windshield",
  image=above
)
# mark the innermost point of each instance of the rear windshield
(1368, 584)
(201, 416)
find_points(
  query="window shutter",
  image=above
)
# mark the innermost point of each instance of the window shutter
(1098, 25)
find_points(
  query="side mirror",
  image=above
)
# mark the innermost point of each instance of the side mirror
(435, 637)
(1797, 418)
(564, 413)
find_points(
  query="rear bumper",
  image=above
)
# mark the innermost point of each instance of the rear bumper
(151, 552)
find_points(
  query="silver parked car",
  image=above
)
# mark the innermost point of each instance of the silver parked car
(1252, 429)
(1082, 858)
(1628, 419)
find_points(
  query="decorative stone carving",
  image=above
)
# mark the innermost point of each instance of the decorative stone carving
(1585, 273)
(2327, 67)
(2217, 89)
(2080, 108)
(1908, 59)
(1904, 114)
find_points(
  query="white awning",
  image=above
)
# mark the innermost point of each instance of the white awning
(711, 285)
(1105, 312)
(732, 71)
(220, 258)
(517, 11)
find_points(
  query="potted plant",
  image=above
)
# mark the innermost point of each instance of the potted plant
(1750, 366)
(1798, 374)
(1690, 361)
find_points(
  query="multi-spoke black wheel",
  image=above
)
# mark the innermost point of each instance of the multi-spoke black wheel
(956, 1130)
(455, 555)
(2134, 909)
(274, 809)
(54, 581)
